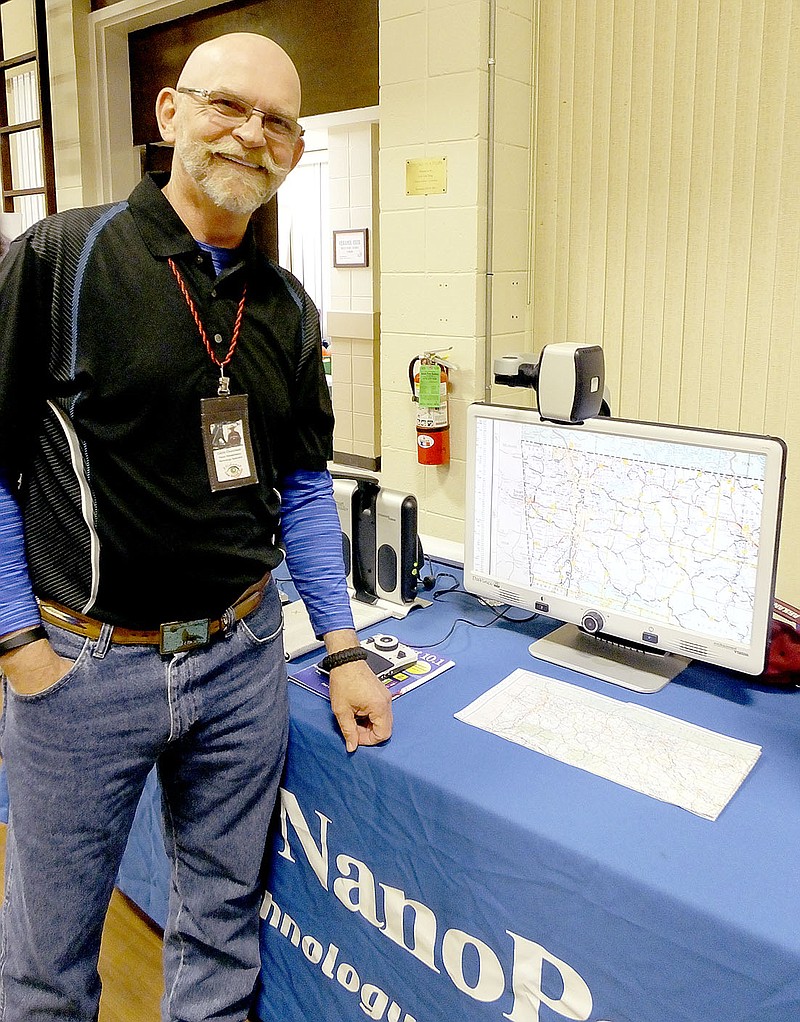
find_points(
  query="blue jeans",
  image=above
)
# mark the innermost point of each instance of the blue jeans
(215, 723)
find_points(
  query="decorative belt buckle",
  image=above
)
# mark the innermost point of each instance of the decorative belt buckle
(179, 636)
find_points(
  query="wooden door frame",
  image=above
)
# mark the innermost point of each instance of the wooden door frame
(114, 164)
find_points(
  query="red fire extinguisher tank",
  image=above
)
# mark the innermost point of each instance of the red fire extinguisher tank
(429, 379)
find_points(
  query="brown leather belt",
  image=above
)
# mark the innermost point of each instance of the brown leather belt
(171, 637)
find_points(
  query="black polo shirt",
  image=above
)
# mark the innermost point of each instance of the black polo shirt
(102, 371)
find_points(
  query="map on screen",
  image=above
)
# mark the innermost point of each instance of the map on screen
(670, 532)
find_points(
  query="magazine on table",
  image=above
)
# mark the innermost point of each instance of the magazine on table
(403, 680)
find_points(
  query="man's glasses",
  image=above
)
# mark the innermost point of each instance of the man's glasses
(235, 111)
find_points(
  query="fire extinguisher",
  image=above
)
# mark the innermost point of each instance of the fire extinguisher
(428, 376)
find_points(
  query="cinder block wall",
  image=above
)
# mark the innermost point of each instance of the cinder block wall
(434, 78)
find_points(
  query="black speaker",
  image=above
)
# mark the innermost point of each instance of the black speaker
(364, 563)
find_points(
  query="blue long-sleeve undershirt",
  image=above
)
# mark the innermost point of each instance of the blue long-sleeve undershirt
(18, 607)
(313, 540)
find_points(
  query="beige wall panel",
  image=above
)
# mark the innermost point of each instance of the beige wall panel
(545, 192)
(577, 150)
(780, 402)
(742, 222)
(714, 339)
(658, 159)
(637, 206)
(699, 230)
(562, 158)
(681, 121)
(767, 201)
(666, 192)
(599, 64)
(621, 73)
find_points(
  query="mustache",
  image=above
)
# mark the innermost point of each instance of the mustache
(261, 160)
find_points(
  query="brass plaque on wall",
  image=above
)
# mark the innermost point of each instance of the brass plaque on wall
(426, 176)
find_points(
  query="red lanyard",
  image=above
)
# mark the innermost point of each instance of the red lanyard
(237, 326)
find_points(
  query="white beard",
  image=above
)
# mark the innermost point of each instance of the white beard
(228, 185)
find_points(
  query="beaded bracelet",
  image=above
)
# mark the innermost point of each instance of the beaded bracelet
(343, 656)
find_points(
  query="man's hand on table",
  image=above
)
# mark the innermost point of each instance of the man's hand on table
(360, 702)
(361, 705)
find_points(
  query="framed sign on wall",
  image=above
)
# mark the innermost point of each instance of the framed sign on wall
(351, 248)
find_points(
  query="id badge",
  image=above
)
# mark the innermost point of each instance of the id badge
(226, 442)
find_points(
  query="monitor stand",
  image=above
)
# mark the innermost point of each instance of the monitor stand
(629, 667)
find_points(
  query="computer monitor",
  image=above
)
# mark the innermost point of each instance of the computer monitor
(656, 544)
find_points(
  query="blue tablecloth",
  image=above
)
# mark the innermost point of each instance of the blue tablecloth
(454, 875)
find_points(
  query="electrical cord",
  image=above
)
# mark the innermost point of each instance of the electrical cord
(453, 588)
(428, 581)
(498, 614)
(458, 620)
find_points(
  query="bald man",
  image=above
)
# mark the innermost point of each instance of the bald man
(167, 429)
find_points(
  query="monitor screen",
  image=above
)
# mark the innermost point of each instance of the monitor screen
(657, 544)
